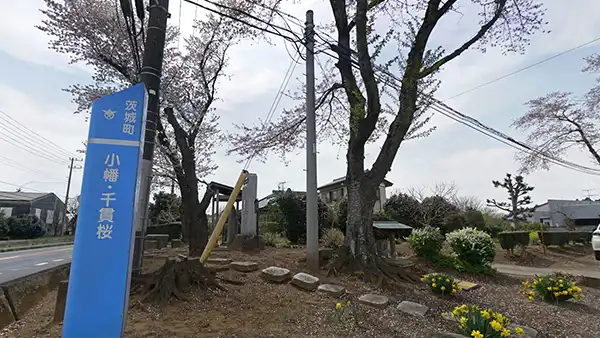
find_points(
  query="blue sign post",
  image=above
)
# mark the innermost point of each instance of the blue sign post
(98, 293)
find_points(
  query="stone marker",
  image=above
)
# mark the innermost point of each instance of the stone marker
(244, 266)
(176, 243)
(332, 290)
(217, 267)
(374, 300)
(150, 244)
(276, 274)
(218, 261)
(305, 281)
(467, 286)
(61, 301)
(413, 308)
(528, 332)
(163, 239)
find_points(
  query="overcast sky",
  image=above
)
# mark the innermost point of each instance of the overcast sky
(34, 156)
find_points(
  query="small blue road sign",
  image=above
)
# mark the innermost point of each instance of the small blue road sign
(98, 294)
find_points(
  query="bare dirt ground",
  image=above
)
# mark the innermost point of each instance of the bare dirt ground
(258, 309)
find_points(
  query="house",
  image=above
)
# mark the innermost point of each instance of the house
(47, 207)
(556, 213)
(263, 202)
(336, 190)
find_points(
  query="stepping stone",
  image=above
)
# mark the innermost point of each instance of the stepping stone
(528, 332)
(305, 281)
(413, 308)
(219, 261)
(374, 300)
(276, 274)
(467, 286)
(176, 243)
(244, 266)
(445, 335)
(332, 290)
(217, 268)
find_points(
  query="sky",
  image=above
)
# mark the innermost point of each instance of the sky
(39, 132)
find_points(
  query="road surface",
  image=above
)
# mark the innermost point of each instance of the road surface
(17, 264)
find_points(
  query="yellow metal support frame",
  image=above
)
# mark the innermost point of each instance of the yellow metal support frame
(224, 216)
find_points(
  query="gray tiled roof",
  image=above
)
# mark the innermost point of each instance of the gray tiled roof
(20, 196)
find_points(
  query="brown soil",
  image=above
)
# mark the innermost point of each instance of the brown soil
(259, 309)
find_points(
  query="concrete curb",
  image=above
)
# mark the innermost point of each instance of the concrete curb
(40, 246)
(21, 294)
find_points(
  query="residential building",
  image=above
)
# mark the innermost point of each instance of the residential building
(555, 213)
(47, 207)
(337, 189)
(263, 202)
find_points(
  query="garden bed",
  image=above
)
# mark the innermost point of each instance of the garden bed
(261, 309)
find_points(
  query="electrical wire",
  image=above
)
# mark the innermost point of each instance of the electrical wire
(14, 164)
(286, 79)
(28, 133)
(436, 104)
(473, 123)
(294, 39)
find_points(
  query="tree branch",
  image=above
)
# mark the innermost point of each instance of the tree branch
(500, 4)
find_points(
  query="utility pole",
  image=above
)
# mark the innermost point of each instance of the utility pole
(312, 219)
(150, 75)
(64, 217)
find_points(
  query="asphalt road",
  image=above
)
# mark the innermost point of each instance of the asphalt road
(22, 263)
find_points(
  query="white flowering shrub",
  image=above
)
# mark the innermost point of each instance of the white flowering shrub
(472, 246)
(426, 242)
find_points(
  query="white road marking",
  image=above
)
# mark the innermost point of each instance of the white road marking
(17, 269)
(42, 263)
(58, 260)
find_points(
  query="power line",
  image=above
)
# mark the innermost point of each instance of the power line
(523, 69)
(11, 163)
(28, 133)
(275, 104)
(446, 110)
(276, 27)
(476, 125)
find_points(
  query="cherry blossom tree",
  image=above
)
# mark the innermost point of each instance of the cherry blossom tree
(94, 33)
(359, 101)
(560, 121)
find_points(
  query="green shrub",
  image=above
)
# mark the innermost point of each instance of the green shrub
(333, 238)
(482, 323)
(534, 226)
(342, 214)
(580, 236)
(474, 247)
(293, 210)
(453, 222)
(441, 283)
(510, 239)
(554, 237)
(474, 219)
(4, 229)
(275, 240)
(426, 242)
(555, 287)
(24, 227)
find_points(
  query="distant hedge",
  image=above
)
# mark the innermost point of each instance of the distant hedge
(510, 239)
(564, 237)
(172, 229)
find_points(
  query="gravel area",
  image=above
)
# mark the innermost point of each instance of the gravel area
(259, 309)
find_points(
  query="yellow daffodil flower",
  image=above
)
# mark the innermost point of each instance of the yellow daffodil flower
(476, 334)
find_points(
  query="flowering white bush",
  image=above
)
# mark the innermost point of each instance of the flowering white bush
(426, 242)
(472, 246)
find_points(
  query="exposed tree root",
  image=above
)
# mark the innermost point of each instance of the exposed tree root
(173, 279)
(380, 272)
